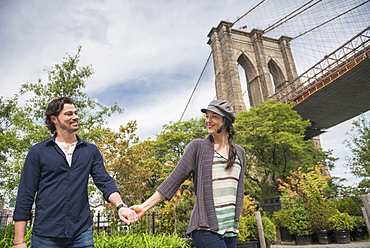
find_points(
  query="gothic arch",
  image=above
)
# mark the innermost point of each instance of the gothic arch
(277, 74)
(250, 71)
(251, 77)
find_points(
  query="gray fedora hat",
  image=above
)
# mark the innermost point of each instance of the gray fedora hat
(222, 108)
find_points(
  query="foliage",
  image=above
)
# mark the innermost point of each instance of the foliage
(273, 137)
(132, 165)
(178, 210)
(304, 188)
(349, 205)
(249, 209)
(307, 191)
(359, 223)
(170, 144)
(359, 144)
(249, 231)
(7, 138)
(281, 217)
(319, 214)
(341, 221)
(7, 236)
(299, 223)
(142, 240)
(249, 206)
(22, 125)
(105, 240)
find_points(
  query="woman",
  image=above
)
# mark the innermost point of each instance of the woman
(217, 165)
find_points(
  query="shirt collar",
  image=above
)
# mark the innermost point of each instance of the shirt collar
(51, 140)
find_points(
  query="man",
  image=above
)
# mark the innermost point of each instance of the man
(57, 170)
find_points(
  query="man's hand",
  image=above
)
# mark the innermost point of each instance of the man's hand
(127, 215)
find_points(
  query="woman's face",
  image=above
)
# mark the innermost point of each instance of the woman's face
(213, 122)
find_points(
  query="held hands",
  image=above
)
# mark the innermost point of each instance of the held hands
(148, 204)
(139, 209)
(127, 215)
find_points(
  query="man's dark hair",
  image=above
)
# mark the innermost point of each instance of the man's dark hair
(53, 109)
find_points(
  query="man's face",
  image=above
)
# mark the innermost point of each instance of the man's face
(67, 120)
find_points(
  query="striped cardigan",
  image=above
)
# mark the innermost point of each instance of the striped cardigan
(197, 160)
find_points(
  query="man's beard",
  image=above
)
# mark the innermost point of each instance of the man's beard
(68, 128)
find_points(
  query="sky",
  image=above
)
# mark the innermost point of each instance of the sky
(147, 55)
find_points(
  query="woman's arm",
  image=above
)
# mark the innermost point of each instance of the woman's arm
(156, 198)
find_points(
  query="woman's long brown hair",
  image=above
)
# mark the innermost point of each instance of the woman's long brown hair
(230, 136)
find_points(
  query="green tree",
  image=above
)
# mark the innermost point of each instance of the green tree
(349, 205)
(273, 137)
(172, 141)
(170, 144)
(22, 125)
(359, 144)
(133, 166)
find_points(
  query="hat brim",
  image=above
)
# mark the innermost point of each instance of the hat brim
(213, 109)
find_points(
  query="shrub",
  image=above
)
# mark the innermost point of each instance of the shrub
(319, 214)
(298, 222)
(359, 223)
(281, 217)
(141, 240)
(341, 221)
(106, 240)
(349, 206)
(248, 229)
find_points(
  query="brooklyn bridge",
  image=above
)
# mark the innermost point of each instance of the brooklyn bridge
(312, 53)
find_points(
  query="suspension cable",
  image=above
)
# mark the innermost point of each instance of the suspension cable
(247, 13)
(196, 85)
(330, 19)
(282, 20)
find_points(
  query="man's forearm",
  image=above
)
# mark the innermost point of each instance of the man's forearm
(115, 199)
(19, 231)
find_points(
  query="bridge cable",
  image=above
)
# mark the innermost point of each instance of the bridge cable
(196, 85)
(282, 21)
(330, 20)
(238, 19)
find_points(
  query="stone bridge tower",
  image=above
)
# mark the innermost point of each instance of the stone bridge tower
(267, 62)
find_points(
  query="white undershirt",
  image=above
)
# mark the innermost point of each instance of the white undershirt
(67, 152)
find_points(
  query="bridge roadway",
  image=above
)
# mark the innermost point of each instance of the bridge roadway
(342, 99)
(353, 244)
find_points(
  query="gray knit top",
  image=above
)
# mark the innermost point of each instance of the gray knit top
(197, 160)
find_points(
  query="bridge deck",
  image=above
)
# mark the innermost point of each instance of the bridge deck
(340, 100)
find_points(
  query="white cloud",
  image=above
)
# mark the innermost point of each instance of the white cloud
(153, 113)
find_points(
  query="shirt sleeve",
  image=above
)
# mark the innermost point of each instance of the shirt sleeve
(27, 188)
(101, 178)
(181, 172)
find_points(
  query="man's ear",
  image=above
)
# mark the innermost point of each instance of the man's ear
(53, 119)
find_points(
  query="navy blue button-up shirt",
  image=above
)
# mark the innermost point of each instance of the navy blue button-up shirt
(62, 206)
